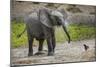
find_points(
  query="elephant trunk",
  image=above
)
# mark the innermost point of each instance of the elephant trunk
(65, 30)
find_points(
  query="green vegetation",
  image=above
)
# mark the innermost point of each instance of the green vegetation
(17, 28)
(77, 32)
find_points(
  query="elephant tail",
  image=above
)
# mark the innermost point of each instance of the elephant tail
(19, 35)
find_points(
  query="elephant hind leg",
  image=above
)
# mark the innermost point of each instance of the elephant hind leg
(30, 40)
(40, 44)
(40, 48)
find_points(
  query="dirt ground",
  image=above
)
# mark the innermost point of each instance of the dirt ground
(64, 53)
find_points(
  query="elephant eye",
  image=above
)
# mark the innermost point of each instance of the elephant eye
(58, 20)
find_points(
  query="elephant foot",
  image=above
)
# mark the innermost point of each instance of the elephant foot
(39, 53)
(50, 53)
(30, 54)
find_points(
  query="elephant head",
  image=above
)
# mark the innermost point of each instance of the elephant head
(52, 18)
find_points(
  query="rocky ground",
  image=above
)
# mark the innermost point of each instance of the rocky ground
(77, 14)
(64, 53)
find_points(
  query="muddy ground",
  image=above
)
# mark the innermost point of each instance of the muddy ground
(64, 53)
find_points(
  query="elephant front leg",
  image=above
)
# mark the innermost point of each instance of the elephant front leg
(53, 41)
(30, 53)
(50, 47)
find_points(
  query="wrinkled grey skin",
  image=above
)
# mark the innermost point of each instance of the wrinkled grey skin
(40, 25)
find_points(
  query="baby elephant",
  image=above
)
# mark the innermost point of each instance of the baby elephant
(40, 25)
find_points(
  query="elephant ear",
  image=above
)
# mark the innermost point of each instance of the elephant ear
(56, 13)
(44, 17)
(64, 12)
